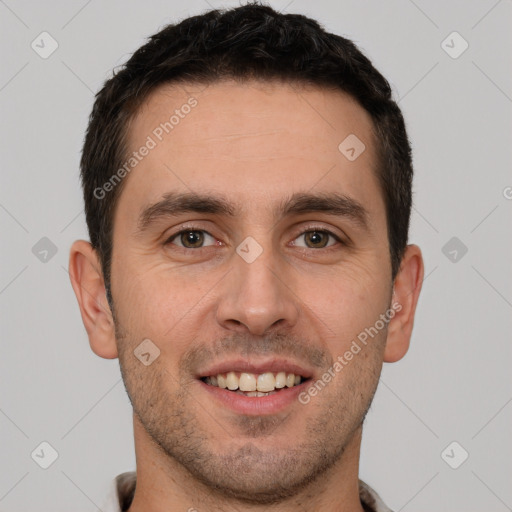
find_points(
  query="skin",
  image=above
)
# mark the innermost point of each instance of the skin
(255, 144)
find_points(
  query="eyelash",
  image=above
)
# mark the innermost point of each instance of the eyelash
(309, 229)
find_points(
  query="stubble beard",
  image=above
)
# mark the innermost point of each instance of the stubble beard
(241, 470)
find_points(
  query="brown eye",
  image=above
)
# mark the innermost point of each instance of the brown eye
(316, 239)
(191, 239)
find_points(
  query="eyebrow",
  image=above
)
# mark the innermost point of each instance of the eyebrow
(174, 204)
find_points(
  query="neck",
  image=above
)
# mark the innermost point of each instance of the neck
(163, 485)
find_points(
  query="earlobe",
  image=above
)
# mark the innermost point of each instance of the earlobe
(89, 287)
(407, 289)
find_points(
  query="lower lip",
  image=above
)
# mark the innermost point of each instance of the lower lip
(255, 405)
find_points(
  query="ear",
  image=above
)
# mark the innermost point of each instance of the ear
(89, 286)
(406, 292)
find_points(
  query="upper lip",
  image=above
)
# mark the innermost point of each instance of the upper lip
(273, 365)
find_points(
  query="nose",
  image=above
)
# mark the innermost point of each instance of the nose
(257, 297)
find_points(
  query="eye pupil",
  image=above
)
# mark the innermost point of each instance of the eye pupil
(192, 238)
(315, 237)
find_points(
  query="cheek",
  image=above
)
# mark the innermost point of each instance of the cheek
(347, 302)
(160, 303)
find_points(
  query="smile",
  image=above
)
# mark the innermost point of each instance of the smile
(254, 385)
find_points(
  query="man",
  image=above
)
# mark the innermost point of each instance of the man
(247, 182)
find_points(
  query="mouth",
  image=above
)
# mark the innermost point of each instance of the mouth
(254, 388)
(254, 384)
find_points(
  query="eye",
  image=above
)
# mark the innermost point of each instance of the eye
(191, 239)
(316, 239)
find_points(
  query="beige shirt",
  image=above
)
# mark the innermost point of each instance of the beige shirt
(123, 488)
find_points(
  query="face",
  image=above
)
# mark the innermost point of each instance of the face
(251, 252)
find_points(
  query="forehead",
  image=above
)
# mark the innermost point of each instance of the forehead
(253, 141)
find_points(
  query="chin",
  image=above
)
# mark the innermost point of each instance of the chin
(257, 476)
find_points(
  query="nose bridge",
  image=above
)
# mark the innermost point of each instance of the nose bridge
(256, 296)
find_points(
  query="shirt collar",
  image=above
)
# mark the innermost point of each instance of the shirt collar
(123, 488)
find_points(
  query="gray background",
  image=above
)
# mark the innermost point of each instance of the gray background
(454, 384)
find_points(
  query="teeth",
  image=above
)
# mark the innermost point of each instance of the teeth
(250, 384)
(254, 393)
(221, 381)
(232, 381)
(266, 382)
(247, 382)
(280, 380)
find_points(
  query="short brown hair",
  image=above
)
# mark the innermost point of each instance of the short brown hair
(251, 41)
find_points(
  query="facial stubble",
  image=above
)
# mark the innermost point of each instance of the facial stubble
(232, 459)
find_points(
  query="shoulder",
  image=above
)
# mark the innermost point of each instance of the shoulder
(370, 499)
(121, 492)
